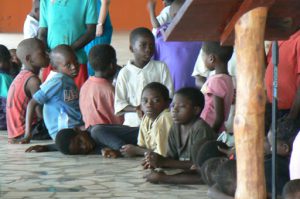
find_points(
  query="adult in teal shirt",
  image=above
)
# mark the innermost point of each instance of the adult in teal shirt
(104, 29)
(69, 22)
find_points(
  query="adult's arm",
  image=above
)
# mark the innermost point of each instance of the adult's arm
(88, 36)
(295, 109)
(102, 17)
(42, 35)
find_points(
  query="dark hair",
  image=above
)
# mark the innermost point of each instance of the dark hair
(169, 2)
(140, 32)
(224, 53)
(226, 177)
(4, 53)
(209, 170)
(287, 130)
(208, 150)
(160, 88)
(192, 94)
(63, 140)
(101, 56)
(291, 188)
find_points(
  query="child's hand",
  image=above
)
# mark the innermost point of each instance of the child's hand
(25, 140)
(152, 160)
(37, 148)
(151, 4)
(139, 111)
(154, 177)
(228, 152)
(110, 153)
(129, 150)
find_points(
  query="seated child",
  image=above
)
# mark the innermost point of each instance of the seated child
(5, 81)
(32, 54)
(295, 159)
(218, 89)
(164, 16)
(180, 57)
(31, 24)
(186, 131)
(137, 74)
(73, 141)
(60, 92)
(156, 123)
(291, 190)
(16, 63)
(97, 94)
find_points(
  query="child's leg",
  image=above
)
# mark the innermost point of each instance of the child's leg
(114, 136)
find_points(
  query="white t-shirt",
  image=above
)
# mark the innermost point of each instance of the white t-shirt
(130, 83)
(295, 159)
(163, 18)
(31, 26)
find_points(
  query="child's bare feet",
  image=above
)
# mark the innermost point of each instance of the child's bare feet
(110, 153)
(13, 141)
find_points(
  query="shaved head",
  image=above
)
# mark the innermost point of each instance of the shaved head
(28, 47)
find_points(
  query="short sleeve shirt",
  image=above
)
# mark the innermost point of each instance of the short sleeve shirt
(66, 21)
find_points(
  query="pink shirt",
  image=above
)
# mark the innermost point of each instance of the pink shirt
(295, 159)
(96, 102)
(219, 85)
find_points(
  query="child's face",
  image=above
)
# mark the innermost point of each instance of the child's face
(39, 58)
(208, 61)
(153, 103)
(69, 65)
(143, 49)
(81, 144)
(182, 110)
(282, 147)
(14, 57)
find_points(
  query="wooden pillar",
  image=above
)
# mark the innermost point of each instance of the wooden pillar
(250, 104)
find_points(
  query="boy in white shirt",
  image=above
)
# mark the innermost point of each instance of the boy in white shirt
(137, 74)
(31, 24)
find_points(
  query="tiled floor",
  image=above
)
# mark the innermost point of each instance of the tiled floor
(53, 175)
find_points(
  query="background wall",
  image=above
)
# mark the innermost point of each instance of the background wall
(125, 14)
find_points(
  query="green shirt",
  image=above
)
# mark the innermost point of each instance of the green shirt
(66, 21)
(5, 82)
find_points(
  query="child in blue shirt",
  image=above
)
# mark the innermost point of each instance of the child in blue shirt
(60, 92)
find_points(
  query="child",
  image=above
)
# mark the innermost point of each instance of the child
(295, 159)
(156, 123)
(5, 82)
(137, 74)
(218, 89)
(16, 63)
(291, 190)
(186, 131)
(164, 16)
(32, 54)
(60, 92)
(180, 57)
(31, 24)
(97, 93)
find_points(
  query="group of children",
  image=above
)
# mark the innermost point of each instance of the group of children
(139, 115)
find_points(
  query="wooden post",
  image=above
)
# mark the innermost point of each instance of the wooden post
(250, 104)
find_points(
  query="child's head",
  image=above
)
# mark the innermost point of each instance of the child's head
(5, 58)
(187, 105)
(72, 142)
(209, 169)
(291, 190)
(64, 60)
(167, 2)
(35, 10)
(175, 6)
(226, 177)
(32, 53)
(155, 99)
(214, 54)
(286, 132)
(103, 60)
(14, 58)
(142, 45)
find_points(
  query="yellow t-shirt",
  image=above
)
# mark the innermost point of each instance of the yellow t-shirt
(153, 135)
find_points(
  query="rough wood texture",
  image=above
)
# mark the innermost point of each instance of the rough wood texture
(250, 104)
(206, 20)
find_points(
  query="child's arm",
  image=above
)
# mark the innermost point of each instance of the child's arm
(219, 107)
(190, 177)
(154, 160)
(42, 148)
(102, 17)
(199, 81)
(151, 7)
(214, 193)
(29, 118)
(31, 87)
(132, 150)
